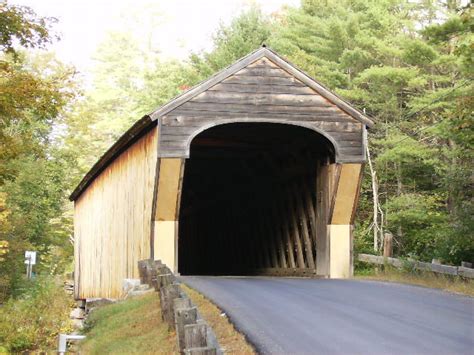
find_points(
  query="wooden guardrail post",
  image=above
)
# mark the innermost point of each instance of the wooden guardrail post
(181, 303)
(388, 245)
(201, 351)
(183, 317)
(466, 272)
(167, 296)
(148, 269)
(143, 266)
(164, 278)
(178, 305)
(195, 335)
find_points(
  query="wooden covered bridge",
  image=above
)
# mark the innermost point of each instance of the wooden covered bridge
(256, 170)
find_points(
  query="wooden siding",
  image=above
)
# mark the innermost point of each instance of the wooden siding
(112, 221)
(261, 92)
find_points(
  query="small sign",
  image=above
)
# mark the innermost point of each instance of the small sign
(30, 257)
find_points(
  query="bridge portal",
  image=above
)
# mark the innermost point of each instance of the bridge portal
(256, 170)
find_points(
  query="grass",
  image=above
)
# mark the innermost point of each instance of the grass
(448, 283)
(228, 337)
(130, 326)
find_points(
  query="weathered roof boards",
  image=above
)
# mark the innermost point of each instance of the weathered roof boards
(254, 171)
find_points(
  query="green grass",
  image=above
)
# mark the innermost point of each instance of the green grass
(448, 283)
(130, 326)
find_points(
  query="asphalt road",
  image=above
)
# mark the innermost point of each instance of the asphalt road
(304, 316)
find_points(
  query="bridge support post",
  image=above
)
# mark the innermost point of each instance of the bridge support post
(345, 195)
(325, 174)
(167, 198)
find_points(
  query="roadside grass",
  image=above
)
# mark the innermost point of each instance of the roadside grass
(129, 326)
(454, 284)
(228, 337)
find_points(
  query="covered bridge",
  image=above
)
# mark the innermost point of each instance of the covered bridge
(256, 170)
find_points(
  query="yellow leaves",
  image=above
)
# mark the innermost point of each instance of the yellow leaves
(3, 249)
(4, 212)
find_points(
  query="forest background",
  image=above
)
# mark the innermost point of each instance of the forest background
(407, 64)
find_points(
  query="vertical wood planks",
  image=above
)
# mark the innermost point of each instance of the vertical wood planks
(112, 223)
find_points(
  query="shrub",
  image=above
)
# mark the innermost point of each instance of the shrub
(34, 320)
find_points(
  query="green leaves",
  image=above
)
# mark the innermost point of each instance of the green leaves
(21, 24)
(418, 53)
(415, 220)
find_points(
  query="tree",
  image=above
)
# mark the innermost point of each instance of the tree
(36, 88)
(409, 66)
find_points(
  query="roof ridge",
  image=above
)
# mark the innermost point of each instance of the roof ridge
(249, 59)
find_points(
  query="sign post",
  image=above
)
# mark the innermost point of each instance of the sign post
(30, 257)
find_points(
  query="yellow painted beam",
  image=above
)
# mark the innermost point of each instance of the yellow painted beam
(165, 246)
(167, 201)
(345, 197)
(340, 264)
(168, 189)
(347, 192)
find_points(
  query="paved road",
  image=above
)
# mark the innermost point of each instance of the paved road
(284, 315)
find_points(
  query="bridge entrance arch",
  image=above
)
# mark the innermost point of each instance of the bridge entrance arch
(254, 200)
(259, 172)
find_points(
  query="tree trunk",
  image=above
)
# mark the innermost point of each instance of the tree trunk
(375, 200)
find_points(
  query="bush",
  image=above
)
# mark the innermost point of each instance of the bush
(34, 320)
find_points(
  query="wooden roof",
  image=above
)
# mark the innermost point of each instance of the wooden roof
(245, 61)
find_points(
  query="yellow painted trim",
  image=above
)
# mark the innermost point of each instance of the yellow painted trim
(165, 242)
(341, 251)
(168, 188)
(169, 183)
(346, 194)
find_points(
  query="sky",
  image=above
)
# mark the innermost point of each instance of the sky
(179, 26)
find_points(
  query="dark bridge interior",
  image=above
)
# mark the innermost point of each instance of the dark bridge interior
(248, 202)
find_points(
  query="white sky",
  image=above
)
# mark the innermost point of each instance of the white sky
(180, 26)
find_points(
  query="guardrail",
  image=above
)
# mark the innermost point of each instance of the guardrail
(194, 335)
(418, 265)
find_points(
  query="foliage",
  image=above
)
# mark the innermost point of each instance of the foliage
(34, 91)
(21, 24)
(34, 320)
(34, 168)
(421, 218)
